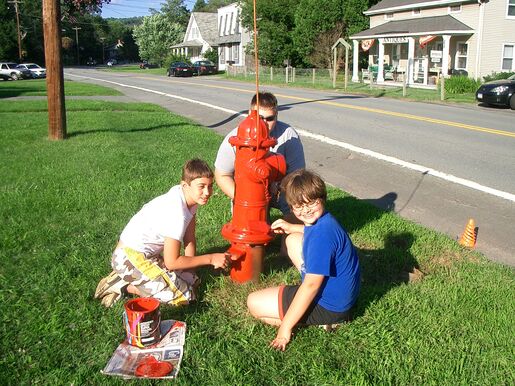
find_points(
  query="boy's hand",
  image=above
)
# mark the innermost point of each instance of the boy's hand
(219, 260)
(281, 226)
(282, 339)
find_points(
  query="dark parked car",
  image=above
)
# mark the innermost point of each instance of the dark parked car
(144, 65)
(202, 67)
(498, 92)
(36, 70)
(180, 69)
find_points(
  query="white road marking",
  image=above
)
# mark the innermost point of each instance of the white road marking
(330, 141)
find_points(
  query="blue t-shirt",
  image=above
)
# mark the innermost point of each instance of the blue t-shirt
(328, 251)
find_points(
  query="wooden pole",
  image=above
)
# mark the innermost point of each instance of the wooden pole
(16, 2)
(346, 66)
(54, 70)
(334, 67)
(77, 43)
(442, 88)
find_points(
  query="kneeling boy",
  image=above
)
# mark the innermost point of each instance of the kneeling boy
(147, 260)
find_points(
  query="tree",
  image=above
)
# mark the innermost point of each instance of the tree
(156, 35)
(199, 6)
(276, 20)
(313, 19)
(176, 12)
(321, 54)
(8, 40)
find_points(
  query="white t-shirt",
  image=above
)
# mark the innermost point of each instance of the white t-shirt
(165, 216)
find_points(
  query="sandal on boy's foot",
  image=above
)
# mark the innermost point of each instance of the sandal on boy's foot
(109, 299)
(106, 284)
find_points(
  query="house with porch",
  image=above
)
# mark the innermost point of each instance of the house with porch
(232, 37)
(201, 36)
(421, 39)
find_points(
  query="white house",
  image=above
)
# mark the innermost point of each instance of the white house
(201, 36)
(423, 38)
(232, 38)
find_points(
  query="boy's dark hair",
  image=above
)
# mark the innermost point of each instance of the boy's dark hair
(195, 168)
(267, 100)
(303, 186)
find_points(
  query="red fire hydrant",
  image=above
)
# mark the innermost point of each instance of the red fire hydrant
(254, 169)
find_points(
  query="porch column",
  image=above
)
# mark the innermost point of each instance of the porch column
(445, 59)
(411, 59)
(380, 62)
(355, 60)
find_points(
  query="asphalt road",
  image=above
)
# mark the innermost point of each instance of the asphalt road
(437, 165)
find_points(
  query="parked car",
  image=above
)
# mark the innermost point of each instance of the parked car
(91, 62)
(145, 64)
(498, 92)
(180, 69)
(10, 69)
(36, 70)
(202, 67)
(112, 62)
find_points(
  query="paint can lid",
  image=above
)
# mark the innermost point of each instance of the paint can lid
(150, 367)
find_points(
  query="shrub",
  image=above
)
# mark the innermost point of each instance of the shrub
(497, 75)
(175, 58)
(212, 55)
(461, 85)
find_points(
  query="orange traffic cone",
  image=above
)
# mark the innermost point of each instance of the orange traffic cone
(468, 238)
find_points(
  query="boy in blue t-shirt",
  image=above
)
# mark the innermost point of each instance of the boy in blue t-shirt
(322, 252)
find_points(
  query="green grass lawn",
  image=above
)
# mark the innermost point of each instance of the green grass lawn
(37, 87)
(63, 205)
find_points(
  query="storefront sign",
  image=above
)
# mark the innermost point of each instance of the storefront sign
(395, 40)
(435, 54)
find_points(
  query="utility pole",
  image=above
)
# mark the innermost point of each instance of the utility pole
(16, 2)
(54, 69)
(103, 59)
(77, 42)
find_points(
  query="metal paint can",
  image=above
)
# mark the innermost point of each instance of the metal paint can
(142, 320)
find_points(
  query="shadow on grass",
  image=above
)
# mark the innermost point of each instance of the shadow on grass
(94, 131)
(16, 92)
(382, 268)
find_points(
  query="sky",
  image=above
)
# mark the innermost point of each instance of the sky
(131, 8)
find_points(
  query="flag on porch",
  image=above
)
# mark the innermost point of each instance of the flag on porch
(366, 44)
(423, 40)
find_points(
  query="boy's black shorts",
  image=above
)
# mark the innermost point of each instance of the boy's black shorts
(315, 314)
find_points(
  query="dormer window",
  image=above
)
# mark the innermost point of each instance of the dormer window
(388, 16)
(455, 8)
(511, 9)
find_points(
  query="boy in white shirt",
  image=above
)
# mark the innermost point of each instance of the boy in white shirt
(147, 260)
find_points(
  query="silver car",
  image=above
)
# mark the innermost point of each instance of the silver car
(36, 70)
(12, 71)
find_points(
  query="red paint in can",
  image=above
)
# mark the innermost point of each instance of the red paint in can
(142, 320)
